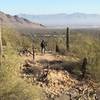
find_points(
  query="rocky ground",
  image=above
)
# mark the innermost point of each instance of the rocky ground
(55, 80)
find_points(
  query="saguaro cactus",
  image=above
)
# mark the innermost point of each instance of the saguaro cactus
(33, 48)
(83, 68)
(67, 39)
(33, 51)
(1, 30)
(57, 48)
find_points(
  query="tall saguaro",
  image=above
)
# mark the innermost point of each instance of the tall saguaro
(67, 39)
(1, 51)
(33, 51)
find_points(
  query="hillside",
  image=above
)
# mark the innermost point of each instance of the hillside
(50, 76)
(74, 20)
(18, 22)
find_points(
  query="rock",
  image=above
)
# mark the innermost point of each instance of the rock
(63, 97)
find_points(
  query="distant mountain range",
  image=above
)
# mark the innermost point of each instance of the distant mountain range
(18, 22)
(75, 20)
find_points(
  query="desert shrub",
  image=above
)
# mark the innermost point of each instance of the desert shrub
(86, 45)
(15, 39)
(12, 87)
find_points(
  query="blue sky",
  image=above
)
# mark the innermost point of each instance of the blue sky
(49, 6)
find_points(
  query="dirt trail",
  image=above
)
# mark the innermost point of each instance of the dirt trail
(47, 56)
(50, 72)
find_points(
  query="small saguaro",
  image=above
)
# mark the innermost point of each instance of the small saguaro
(57, 48)
(83, 68)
